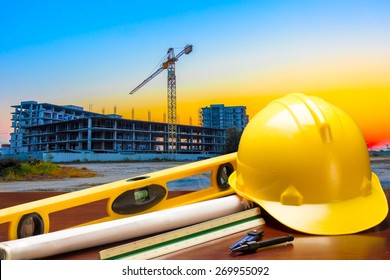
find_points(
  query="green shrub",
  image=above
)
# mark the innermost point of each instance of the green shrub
(7, 163)
(14, 170)
(33, 161)
(17, 170)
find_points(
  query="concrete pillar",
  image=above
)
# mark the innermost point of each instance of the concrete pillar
(115, 145)
(89, 142)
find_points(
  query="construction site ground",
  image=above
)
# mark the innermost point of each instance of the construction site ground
(115, 171)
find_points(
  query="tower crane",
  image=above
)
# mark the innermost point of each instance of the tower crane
(169, 64)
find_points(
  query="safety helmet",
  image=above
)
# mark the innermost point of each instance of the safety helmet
(306, 163)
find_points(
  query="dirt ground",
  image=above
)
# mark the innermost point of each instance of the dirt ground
(381, 167)
(106, 173)
(111, 172)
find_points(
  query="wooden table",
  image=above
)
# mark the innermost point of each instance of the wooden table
(372, 244)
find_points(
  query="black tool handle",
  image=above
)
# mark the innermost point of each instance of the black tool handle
(253, 246)
(274, 241)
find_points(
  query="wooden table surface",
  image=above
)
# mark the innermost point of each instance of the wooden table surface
(372, 244)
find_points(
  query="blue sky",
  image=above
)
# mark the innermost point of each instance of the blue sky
(245, 53)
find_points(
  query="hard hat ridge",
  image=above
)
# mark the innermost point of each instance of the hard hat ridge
(319, 117)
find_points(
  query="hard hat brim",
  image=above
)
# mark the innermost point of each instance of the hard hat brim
(341, 217)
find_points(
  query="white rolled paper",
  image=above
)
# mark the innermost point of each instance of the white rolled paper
(73, 239)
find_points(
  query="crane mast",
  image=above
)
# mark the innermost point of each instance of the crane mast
(171, 100)
(169, 64)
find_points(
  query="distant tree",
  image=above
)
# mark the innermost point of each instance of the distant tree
(232, 139)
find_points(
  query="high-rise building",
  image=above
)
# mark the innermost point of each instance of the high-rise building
(223, 117)
(32, 113)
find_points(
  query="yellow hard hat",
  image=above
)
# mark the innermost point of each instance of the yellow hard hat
(306, 163)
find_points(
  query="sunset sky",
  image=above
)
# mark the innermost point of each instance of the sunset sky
(246, 52)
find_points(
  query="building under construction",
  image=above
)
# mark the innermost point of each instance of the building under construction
(42, 128)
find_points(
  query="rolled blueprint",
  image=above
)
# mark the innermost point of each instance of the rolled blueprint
(73, 239)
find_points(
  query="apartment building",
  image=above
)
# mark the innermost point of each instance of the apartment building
(223, 117)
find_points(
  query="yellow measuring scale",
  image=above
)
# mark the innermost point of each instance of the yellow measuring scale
(133, 196)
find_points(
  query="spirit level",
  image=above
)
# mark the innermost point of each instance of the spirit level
(137, 226)
(133, 196)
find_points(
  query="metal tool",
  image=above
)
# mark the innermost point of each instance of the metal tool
(253, 246)
(253, 235)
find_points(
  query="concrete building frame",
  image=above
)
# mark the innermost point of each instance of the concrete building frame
(113, 135)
